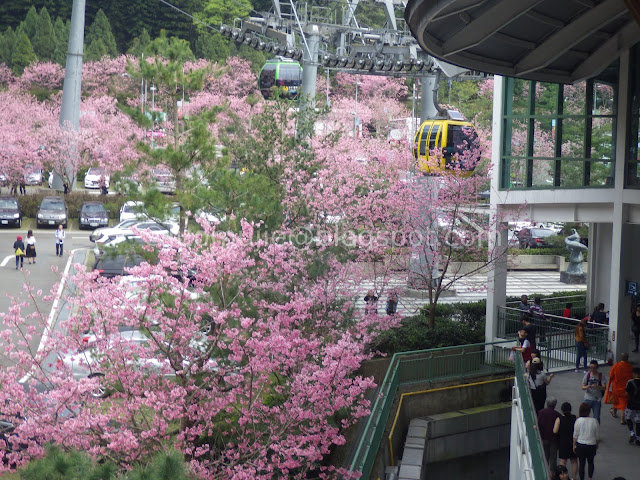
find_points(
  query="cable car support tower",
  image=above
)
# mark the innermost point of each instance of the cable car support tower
(327, 33)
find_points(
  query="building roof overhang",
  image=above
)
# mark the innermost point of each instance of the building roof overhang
(546, 40)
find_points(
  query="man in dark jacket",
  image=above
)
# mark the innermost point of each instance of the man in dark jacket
(632, 412)
(546, 420)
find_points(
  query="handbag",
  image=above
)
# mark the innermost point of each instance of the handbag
(19, 252)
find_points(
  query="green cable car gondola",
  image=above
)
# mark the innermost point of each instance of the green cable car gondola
(282, 75)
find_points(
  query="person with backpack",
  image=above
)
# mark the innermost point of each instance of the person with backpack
(18, 248)
(594, 384)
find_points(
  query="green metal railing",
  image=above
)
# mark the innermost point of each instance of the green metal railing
(555, 337)
(537, 459)
(555, 305)
(421, 366)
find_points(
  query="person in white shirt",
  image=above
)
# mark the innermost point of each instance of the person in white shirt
(31, 247)
(59, 240)
(586, 437)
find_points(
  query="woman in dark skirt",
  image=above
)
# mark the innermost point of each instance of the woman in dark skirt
(31, 247)
(564, 429)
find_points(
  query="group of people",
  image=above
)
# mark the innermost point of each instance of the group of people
(566, 438)
(371, 303)
(27, 248)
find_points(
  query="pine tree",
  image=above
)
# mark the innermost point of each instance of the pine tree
(61, 30)
(30, 23)
(139, 44)
(101, 29)
(23, 54)
(44, 41)
(95, 50)
(212, 46)
(6, 46)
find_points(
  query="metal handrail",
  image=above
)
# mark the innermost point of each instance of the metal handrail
(424, 367)
(533, 443)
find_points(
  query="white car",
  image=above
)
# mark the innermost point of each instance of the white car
(95, 177)
(165, 228)
(97, 233)
(132, 210)
(33, 176)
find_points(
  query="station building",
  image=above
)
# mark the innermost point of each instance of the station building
(565, 126)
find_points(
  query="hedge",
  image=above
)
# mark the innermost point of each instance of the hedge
(29, 204)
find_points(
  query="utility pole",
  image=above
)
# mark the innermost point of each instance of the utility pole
(70, 111)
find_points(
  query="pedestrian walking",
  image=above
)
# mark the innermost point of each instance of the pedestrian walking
(18, 248)
(525, 319)
(619, 375)
(566, 313)
(546, 421)
(564, 429)
(524, 346)
(581, 343)
(524, 303)
(599, 315)
(30, 253)
(632, 412)
(59, 240)
(635, 326)
(586, 437)
(23, 187)
(371, 303)
(561, 473)
(538, 381)
(594, 384)
(392, 303)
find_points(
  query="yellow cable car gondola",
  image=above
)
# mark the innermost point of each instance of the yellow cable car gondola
(446, 145)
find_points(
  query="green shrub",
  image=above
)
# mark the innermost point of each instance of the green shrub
(29, 203)
(414, 334)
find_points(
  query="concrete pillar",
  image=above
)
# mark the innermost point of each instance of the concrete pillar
(498, 236)
(70, 110)
(310, 66)
(428, 107)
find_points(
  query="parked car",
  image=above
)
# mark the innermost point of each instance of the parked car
(92, 215)
(132, 210)
(96, 177)
(158, 228)
(116, 265)
(10, 212)
(98, 232)
(111, 242)
(52, 211)
(3, 180)
(534, 237)
(164, 179)
(94, 360)
(33, 175)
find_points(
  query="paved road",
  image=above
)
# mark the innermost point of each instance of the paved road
(43, 275)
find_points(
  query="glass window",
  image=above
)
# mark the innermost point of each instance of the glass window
(560, 136)
(632, 152)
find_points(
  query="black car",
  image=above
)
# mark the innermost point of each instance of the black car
(92, 215)
(534, 237)
(9, 211)
(52, 211)
(113, 265)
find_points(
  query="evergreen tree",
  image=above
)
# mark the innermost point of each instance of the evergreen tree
(61, 30)
(212, 46)
(13, 12)
(95, 50)
(139, 44)
(44, 41)
(30, 23)
(23, 54)
(7, 42)
(101, 29)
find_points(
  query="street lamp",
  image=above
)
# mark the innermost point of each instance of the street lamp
(153, 112)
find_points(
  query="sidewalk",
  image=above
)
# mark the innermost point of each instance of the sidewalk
(615, 456)
(470, 289)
